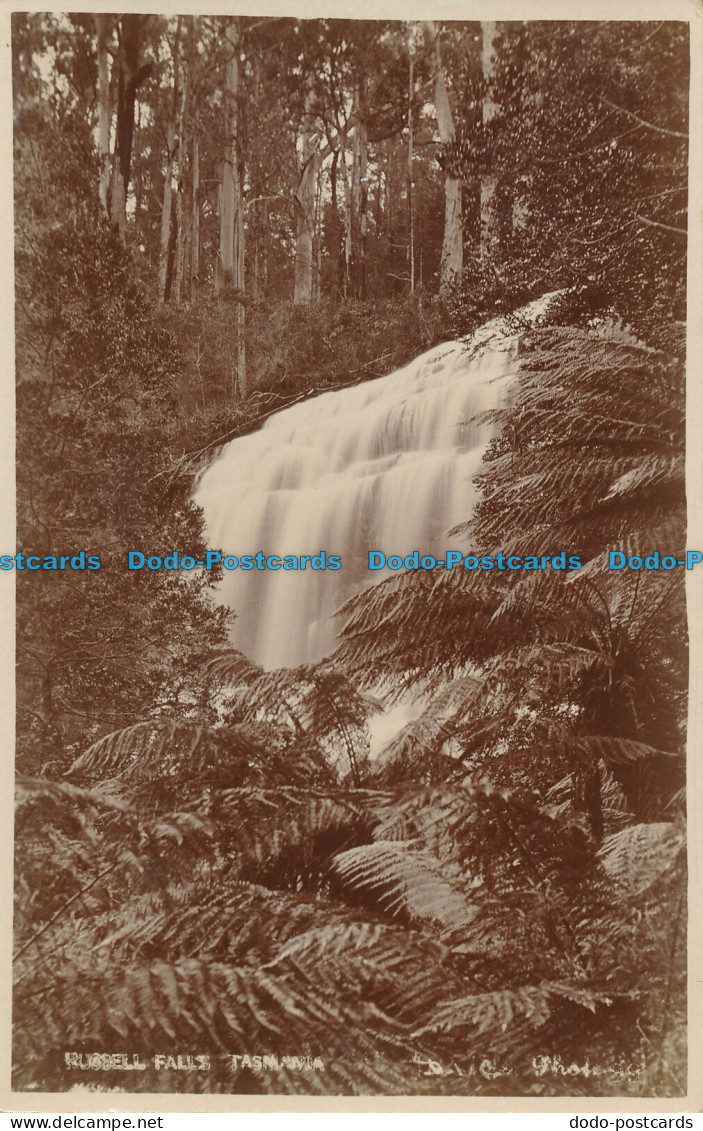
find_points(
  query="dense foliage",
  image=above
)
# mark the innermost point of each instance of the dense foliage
(96, 386)
(208, 862)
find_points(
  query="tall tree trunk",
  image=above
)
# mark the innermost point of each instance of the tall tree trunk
(256, 211)
(258, 261)
(317, 243)
(179, 250)
(359, 194)
(185, 222)
(411, 214)
(139, 193)
(390, 210)
(190, 150)
(490, 218)
(103, 112)
(129, 77)
(180, 195)
(195, 218)
(452, 262)
(230, 265)
(229, 191)
(186, 199)
(380, 197)
(305, 196)
(242, 380)
(171, 142)
(347, 287)
(336, 233)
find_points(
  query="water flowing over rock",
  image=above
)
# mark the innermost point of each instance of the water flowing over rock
(386, 465)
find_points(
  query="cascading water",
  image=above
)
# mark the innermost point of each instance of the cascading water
(386, 465)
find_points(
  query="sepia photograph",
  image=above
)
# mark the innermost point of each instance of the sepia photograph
(352, 561)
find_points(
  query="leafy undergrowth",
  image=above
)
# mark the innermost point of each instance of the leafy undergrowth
(495, 906)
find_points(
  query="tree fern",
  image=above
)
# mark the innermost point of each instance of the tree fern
(503, 883)
(312, 700)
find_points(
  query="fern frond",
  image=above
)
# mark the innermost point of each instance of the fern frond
(315, 700)
(161, 751)
(403, 881)
(421, 749)
(489, 1015)
(638, 856)
(232, 668)
(650, 471)
(52, 799)
(612, 751)
(282, 835)
(214, 1008)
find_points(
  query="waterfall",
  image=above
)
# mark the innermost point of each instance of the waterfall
(385, 465)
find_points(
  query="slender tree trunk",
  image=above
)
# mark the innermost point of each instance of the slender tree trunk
(490, 219)
(242, 380)
(256, 211)
(129, 78)
(254, 266)
(348, 232)
(195, 220)
(103, 112)
(452, 262)
(305, 209)
(305, 222)
(230, 266)
(336, 234)
(138, 197)
(171, 142)
(264, 248)
(192, 251)
(411, 215)
(229, 192)
(179, 218)
(422, 248)
(317, 243)
(179, 250)
(359, 193)
(186, 195)
(390, 186)
(165, 239)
